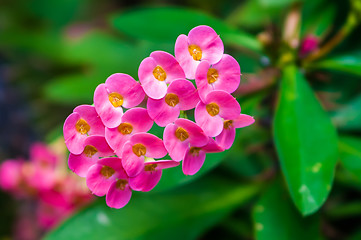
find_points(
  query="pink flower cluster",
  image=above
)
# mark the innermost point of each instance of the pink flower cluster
(44, 178)
(111, 148)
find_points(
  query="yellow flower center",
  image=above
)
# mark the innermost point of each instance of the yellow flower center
(121, 183)
(195, 52)
(212, 109)
(125, 128)
(139, 149)
(107, 172)
(116, 99)
(194, 151)
(159, 73)
(82, 126)
(171, 99)
(90, 150)
(227, 124)
(212, 75)
(150, 167)
(181, 134)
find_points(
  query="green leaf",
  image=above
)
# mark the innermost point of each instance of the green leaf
(276, 218)
(306, 142)
(350, 155)
(165, 24)
(349, 63)
(349, 116)
(184, 213)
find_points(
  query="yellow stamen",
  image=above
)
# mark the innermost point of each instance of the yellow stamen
(82, 126)
(116, 99)
(212, 75)
(159, 73)
(171, 99)
(107, 172)
(121, 183)
(195, 52)
(194, 151)
(227, 124)
(89, 151)
(139, 149)
(150, 167)
(125, 128)
(212, 109)
(181, 134)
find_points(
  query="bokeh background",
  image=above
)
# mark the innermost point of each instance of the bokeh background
(53, 54)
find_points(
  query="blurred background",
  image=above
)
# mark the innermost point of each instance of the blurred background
(53, 54)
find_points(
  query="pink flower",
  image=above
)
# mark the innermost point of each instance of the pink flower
(139, 146)
(224, 75)
(133, 121)
(83, 122)
(108, 177)
(151, 174)
(195, 156)
(158, 70)
(95, 147)
(119, 90)
(10, 175)
(308, 45)
(181, 95)
(217, 106)
(42, 157)
(202, 43)
(181, 135)
(227, 136)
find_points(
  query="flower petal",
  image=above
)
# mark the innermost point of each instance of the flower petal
(212, 126)
(193, 162)
(174, 146)
(90, 115)
(139, 118)
(186, 61)
(80, 164)
(243, 120)
(226, 138)
(212, 147)
(96, 182)
(186, 92)
(229, 74)
(161, 112)
(197, 137)
(118, 198)
(74, 140)
(116, 139)
(228, 106)
(145, 181)
(133, 165)
(169, 64)
(154, 145)
(204, 88)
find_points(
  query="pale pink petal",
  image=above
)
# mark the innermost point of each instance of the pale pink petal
(161, 112)
(186, 92)
(154, 145)
(184, 58)
(242, 120)
(212, 126)
(197, 137)
(163, 164)
(127, 87)
(226, 138)
(193, 162)
(174, 146)
(90, 115)
(228, 106)
(139, 119)
(229, 74)
(110, 115)
(209, 42)
(96, 182)
(169, 64)
(145, 181)
(80, 164)
(74, 140)
(133, 165)
(204, 88)
(153, 88)
(116, 139)
(10, 174)
(118, 198)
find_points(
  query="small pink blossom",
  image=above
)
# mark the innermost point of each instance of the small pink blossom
(227, 136)
(224, 75)
(181, 95)
(151, 174)
(202, 43)
(139, 146)
(158, 70)
(135, 120)
(95, 147)
(42, 156)
(119, 90)
(10, 175)
(218, 106)
(83, 122)
(181, 135)
(308, 45)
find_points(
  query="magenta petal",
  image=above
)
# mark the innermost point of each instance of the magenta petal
(145, 181)
(133, 165)
(152, 87)
(192, 163)
(209, 42)
(228, 106)
(186, 61)
(74, 140)
(174, 146)
(117, 198)
(116, 139)
(204, 88)
(126, 86)
(169, 64)
(229, 74)
(154, 145)
(243, 120)
(161, 112)
(163, 164)
(212, 126)
(40, 155)
(80, 164)
(212, 147)
(186, 92)
(90, 115)
(226, 138)
(100, 144)
(139, 119)
(197, 137)
(110, 115)
(96, 182)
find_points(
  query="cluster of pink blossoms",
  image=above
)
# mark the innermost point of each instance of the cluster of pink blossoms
(111, 147)
(44, 178)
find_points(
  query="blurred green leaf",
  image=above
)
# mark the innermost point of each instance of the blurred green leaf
(306, 142)
(349, 63)
(276, 218)
(349, 116)
(167, 23)
(277, 3)
(184, 213)
(350, 155)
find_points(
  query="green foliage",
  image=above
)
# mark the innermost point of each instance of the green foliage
(306, 142)
(348, 117)
(348, 63)
(350, 155)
